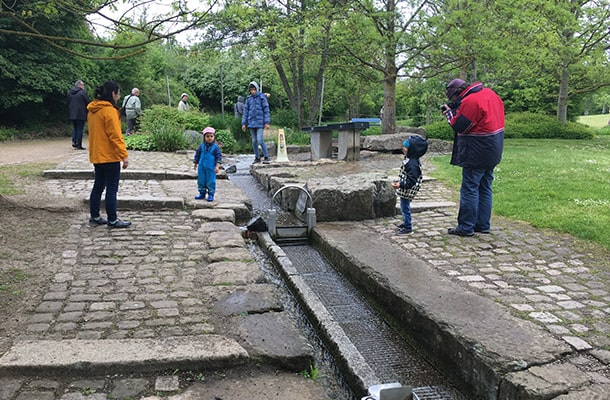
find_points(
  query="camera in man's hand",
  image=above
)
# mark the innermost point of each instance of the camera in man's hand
(449, 106)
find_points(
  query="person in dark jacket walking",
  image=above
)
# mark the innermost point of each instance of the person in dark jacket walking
(409, 179)
(476, 115)
(257, 118)
(77, 110)
(239, 107)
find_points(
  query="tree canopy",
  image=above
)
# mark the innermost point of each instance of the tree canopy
(319, 59)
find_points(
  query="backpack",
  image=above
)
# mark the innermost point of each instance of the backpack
(123, 110)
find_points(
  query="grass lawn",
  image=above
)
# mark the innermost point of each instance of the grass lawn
(558, 184)
(595, 121)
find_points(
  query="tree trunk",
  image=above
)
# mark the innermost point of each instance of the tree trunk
(562, 101)
(388, 123)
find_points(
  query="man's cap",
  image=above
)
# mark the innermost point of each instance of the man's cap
(184, 94)
(453, 87)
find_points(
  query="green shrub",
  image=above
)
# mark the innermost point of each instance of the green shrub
(285, 119)
(139, 142)
(605, 131)
(523, 125)
(297, 137)
(371, 131)
(439, 130)
(539, 126)
(191, 120)
(226, 141)
(7, 133)
(217, 122)
(163, 135)
(239, 135)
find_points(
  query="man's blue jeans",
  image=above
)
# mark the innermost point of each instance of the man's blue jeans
(257, 138)
(107, 177)
(78, 126)
(475, 199)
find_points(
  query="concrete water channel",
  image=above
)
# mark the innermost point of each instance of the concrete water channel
(370, 348)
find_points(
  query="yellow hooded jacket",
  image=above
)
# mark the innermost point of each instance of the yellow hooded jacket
(106, 143)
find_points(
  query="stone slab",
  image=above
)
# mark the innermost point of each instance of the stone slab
(129, 355)
(273, 337)
(252, 299)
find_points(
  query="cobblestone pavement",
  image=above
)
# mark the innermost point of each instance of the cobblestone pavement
(560, 283)
(159, 278)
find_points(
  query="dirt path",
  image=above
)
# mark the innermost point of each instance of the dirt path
(42, 150)
(32, 227)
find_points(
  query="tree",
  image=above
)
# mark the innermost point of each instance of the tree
(35, 76)
(532, 51)
(583, 36)
(295, 36)
(177, 18)
(389, 36)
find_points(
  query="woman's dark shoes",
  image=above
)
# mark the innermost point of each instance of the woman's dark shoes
(119, 224)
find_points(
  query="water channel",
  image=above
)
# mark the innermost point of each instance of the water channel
(386, 351)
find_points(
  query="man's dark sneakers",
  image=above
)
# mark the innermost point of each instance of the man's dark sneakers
(256, 161)
(404, 231)
(455, 231)
(479, 230)
(97, 221)
(119, 224)
(267, 161)
(401, 225)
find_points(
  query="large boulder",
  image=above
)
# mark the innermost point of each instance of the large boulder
(390, 143)
(352, 198)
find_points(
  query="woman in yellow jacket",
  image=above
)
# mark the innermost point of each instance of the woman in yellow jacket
(106, 152)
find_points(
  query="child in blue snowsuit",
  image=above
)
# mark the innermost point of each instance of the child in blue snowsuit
(208, 158)
(409, 179)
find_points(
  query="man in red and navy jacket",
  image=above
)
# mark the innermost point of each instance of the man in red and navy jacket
(476, 115)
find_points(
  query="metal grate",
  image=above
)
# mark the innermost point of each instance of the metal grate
(431, 393)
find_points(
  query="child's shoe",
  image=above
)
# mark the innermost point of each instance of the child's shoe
(211, 197)
(200, 196)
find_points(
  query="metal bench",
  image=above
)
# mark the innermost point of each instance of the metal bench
(349, 140)
(371, 121)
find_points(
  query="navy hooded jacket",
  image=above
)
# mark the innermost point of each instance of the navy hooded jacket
(410, 176)
(256, 110)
